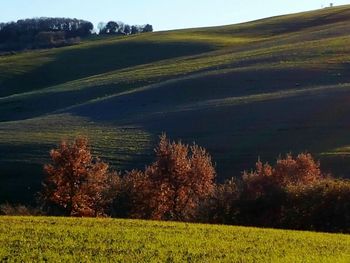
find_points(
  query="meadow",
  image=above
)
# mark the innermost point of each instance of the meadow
(42, 239)
(261, 88)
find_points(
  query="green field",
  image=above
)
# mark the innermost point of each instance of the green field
(261, 88)
(39, 239)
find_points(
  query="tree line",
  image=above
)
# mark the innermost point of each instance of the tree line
(180, 186)
(120, 28)
(54, 32)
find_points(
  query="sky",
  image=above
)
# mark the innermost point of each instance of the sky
(162, 14)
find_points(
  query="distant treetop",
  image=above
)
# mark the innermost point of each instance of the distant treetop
(120, 28)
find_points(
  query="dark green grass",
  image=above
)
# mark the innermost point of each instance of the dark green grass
(261, 88)
(35, 239)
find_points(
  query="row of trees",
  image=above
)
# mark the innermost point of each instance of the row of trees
(180, 185)
(119, 28)
(42, 32)
(25, 27)
(293, 193)
(52, 32)
(171, 188)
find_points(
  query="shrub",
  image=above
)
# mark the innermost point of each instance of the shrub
(50, 39)
(173, 186)
(322, 206)
(77, 183)
(259, 182)
(300, 170)
(133, 197)
(266, 179)
(264, 190)
(221, 206)
(19, 210)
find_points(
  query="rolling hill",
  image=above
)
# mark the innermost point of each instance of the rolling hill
(33, 239)
(261, 88)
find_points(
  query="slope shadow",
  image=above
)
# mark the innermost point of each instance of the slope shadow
(83, 62)
(237, 134)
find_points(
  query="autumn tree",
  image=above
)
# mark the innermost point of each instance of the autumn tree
(173, 186)
(265, 189)
(76, 182)
(302, 169)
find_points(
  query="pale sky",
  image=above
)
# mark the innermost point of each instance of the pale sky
(162, 14)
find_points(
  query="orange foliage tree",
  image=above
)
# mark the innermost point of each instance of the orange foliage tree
(172, 187)
(264, 190)
(301, 170)
(76, 182)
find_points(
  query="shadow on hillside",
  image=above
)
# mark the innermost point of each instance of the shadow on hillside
(83, 62)
(237, 134)
(172, 95)
(20, 174)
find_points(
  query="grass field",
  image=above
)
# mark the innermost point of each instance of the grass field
(261, 88)
(35, 239)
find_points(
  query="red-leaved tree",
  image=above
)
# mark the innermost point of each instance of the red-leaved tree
(301, 170)
(77, 183)
(264, 190)
(173, 186)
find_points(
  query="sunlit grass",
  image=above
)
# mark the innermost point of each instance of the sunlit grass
(30, 239)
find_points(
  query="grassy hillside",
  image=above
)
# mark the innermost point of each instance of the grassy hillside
(104, 240)
(261, 88)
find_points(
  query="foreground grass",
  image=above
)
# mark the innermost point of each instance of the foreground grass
(34, 239)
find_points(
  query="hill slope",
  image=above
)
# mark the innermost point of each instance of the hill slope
(260, 88)
(103, 240)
